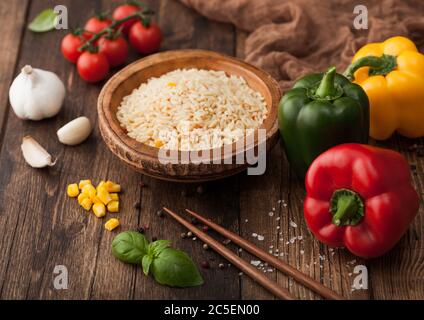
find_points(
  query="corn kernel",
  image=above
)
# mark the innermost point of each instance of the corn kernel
(99, 210)
(83, 183)
(81, 197)
(73, 190)
(171, 84)
(96, 199)
(113, 206)
(112, 186)
(101, 184)
(114, 196)
(158, 143)
(86, 203)
(104, 195)
(89, 190)
(111, 224)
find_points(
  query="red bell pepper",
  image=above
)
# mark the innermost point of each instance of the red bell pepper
(360, 197)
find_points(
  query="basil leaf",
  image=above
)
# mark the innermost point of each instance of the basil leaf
(130, 247)
(147, 261)
(155, 248)
(44, 21)
(176, 269)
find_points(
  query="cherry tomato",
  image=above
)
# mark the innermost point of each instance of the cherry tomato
(92, 66)
(97, 24)
(145, 40)
(124, 11)
(115, 50)
(69, 46)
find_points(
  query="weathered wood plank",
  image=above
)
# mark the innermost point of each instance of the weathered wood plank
(400, 273)
(279, 189)
(185, 29)
(12, 15)
(48, 228)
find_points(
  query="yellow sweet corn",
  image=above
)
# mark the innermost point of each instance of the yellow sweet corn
(81, 197)
(73, 190)
(104, 195)
(112, 186)
(96, 199)
(99, 209)
(83, 183)
(89, 190)
(111, 224)
(171, 84)
(113, 206)
(114, 196)
(101, 184)
(158, 143)
(86, 203)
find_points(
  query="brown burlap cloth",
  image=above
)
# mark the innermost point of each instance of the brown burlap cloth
(289, 38)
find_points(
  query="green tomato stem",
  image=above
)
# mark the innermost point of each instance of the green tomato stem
(143, 16)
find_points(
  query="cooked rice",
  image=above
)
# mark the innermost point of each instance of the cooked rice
(192, 109)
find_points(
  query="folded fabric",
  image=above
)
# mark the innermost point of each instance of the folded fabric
(289, 38)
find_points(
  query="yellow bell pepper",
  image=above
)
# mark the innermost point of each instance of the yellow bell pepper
(392, 75)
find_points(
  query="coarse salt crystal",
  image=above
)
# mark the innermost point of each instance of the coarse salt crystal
(271, 213)
(260, 238)
(254, 235)
(255, 262)
(293, 224)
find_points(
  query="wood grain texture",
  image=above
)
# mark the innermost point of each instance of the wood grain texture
(13, 15)
(40, 227)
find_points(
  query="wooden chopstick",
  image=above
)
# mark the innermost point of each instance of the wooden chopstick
(273, 261)
(244, 266)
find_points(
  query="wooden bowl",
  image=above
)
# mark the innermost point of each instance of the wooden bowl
(144, 158)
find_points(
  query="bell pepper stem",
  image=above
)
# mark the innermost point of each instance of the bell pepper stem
(326, 87)
(347, 207)
(378, 65)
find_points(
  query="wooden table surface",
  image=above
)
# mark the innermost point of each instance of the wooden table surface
(40, 227)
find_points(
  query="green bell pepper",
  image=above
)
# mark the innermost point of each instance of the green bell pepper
(319, 112)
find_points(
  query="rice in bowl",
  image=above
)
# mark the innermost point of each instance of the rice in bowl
(192, 109)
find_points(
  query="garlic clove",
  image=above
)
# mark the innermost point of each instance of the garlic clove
(75, 132)
(34, 154)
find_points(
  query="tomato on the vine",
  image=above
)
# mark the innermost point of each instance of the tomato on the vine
(145, 40)
(97, 24)
(115, 49)
(70, 44)
(124, 11)
(92, 66)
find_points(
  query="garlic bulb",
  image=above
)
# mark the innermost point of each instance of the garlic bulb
(75, 132)
(36, 94)
(35, 155)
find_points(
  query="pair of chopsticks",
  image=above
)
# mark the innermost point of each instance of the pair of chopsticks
(246, 267)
